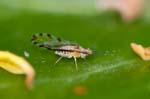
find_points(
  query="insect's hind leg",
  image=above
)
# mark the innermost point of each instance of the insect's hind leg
(75, 61)
(58, 59)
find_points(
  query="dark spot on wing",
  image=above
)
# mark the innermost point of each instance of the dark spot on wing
(41, 34)
(34, 37)
(49, 35)
(35, 42)
(49, 48)
(41, 45)
(59, 39)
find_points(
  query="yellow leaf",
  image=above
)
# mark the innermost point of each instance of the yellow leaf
(17, 65)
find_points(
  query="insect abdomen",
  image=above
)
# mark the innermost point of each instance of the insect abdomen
(64, 54)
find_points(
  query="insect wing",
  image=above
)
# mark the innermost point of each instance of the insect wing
(49, 41)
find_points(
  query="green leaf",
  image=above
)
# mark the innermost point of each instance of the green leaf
(113, 71)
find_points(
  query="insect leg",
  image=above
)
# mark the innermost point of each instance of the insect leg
(58, 60)
(75, 60)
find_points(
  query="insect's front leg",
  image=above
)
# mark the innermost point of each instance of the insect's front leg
(58, 60)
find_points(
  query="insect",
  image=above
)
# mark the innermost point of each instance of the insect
(61, 47)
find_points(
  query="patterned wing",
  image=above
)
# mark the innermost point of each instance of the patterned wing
(49, 41)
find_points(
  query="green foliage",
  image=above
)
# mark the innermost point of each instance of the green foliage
(113, 71)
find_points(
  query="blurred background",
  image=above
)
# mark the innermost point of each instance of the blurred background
(105, 26)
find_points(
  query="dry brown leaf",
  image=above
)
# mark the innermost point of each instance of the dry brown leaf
(144, 53)
(17, 65)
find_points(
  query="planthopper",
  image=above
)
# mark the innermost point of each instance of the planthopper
(63, 48)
